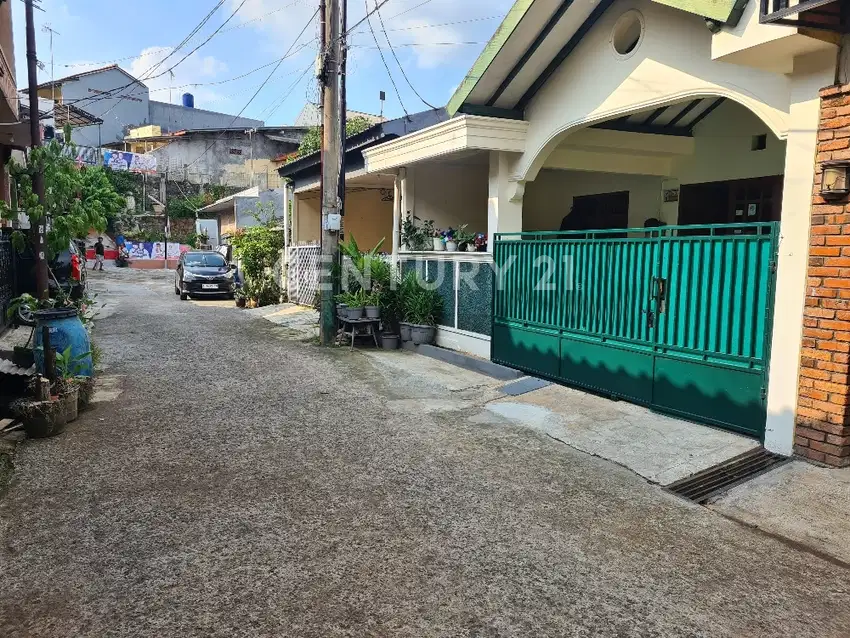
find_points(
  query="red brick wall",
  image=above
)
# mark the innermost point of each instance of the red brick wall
(823, 412)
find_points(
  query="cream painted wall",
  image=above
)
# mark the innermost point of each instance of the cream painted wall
(550, 196)
(723, 148)
(672, 62)
(369, 218)
(451, 194)
(308, 225)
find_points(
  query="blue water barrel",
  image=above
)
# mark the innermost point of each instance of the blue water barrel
(65, 330)
(188, 100)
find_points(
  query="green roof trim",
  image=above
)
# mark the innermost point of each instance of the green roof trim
(719, 10)
(505, 30)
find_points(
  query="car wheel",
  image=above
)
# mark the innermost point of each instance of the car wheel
(183, 296)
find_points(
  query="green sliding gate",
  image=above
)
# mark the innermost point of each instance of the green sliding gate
(677, 318)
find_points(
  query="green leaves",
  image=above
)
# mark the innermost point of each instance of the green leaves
(75, 199)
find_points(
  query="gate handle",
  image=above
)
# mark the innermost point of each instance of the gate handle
(661, 295)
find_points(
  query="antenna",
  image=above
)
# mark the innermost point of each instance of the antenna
(48, 29)
(383, 97)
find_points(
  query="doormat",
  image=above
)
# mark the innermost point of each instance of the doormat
(703, 486)
(524, 385)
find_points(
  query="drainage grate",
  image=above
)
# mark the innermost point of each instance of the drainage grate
(720, 478)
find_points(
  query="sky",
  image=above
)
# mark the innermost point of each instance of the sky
(435, 41)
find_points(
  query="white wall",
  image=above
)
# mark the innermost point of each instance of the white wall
(176, 117)
(723, 148)
(671, 62)
(128, 107)
(451, 194)
(549, 198)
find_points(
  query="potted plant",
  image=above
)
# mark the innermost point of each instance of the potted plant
(68, 369)
(465, 240)
(85, 390)
(41, 419)
(450, 240)
(389, 341)
(240, 298)
(371, 307)
(412, 236)
(423, 309)
(481, 243)
(439, 242)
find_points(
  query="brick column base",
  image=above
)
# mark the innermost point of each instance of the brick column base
(823, 412)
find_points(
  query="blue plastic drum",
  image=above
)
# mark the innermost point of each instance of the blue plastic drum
(65, 330)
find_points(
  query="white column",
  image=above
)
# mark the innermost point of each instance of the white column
(397, 216)
(295, 225)
(811, 73)
(504, 205)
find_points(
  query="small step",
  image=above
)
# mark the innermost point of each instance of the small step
(467, 361)
(705, 485)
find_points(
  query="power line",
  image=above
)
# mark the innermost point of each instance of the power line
(257, 92)
(389, 73)
(401, 68)
(366, 17)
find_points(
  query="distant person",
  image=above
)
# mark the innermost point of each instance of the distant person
(99, 253)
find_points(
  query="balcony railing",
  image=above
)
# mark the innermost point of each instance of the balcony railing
(829, 15)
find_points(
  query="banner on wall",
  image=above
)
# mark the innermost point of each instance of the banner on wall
(116, 160)
(154, 250)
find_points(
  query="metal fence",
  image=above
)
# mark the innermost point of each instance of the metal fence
(302, 281)
(7, 277)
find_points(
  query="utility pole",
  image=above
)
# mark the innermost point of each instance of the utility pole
(331, 120)
(38, 229)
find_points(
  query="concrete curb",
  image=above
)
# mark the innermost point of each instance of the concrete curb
(467, 362)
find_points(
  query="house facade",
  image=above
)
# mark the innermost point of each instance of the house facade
(122, 101)
(662, 186)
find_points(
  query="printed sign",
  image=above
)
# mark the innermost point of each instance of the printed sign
(154, 250)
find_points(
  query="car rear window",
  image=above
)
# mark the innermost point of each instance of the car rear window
(209, 260)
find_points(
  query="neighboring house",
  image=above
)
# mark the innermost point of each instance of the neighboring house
(229, 156)
(123, 102)
(581, 119)
(248, 208)
(311, 115)
(11, 137)
(369, 198)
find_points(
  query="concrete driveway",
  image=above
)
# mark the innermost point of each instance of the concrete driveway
(244, 483)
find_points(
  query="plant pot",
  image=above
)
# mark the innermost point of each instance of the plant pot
(439, 244)
(470, 247)
(389, 342)
(372, 312)
(23, 357)
(240, 302)
(86, 390)
(70, 397)
(404, 330)
(421, 334)
(342, 310)
(354, 313)
(41, 419)
(451, 246)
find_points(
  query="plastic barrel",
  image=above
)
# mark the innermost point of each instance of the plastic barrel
(65, 330)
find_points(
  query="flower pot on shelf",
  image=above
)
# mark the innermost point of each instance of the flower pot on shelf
(354, 313)
(439, 244)
(342, 310)
(372, 312)
(422, 334)
(451, 246)
(389, 342)
(404, 329)
(41, 419)
(470, 247)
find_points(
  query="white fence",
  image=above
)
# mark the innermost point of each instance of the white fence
(302, 281)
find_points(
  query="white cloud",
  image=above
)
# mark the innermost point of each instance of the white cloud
(196, 69)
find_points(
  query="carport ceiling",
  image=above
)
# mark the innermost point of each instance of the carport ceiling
(673, 119)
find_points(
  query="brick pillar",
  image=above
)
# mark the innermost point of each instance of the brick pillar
(823, 412)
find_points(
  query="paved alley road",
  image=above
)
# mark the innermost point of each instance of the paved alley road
(246, 484)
